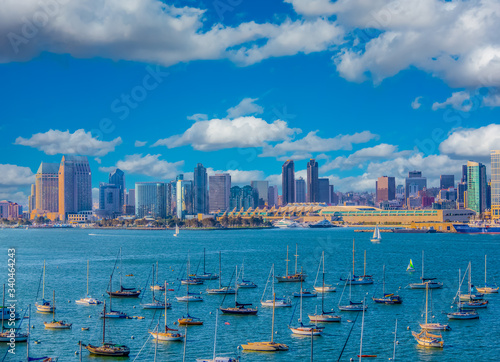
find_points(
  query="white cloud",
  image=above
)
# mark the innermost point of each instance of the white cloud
(13, 175)
(80, 142)
(240, 177)
(297, 156)
(458, 100)
(149, 31)
(314, 143)
(140, 143)
(312, 7)
(218, 134)
(149, 165)
(14, 195)
(492, 100)
(416, 103)
(246, 107)
(454, 40)
(472, 142)
(198, 117)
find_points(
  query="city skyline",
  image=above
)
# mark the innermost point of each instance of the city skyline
(363, 120)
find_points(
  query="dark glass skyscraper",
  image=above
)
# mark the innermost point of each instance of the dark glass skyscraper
(151, 200)
(200, 191)
(312, 181)
(288, 182)
(117, 177)
(446, 181)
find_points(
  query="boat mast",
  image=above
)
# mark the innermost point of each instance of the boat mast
(364, 270)
(3, 305)
(215, 338)
(110, 294)
(323, 293)
(423, 266)
(286, 261)
(120, 268)
(43, 287)
(485, 270)
(236, 287)
(395, 336)
(220, 271)
(426, 301)
(153, 284)
(104, 321)
(362, 327)
(300, 301)
(166, 328)
(54, 305)
(204, 261)
(353, 258)
(383, 281)
(156, 272)
(29, 329)
(296, 257)
(470, 279)
(87, 277)
(272, 323)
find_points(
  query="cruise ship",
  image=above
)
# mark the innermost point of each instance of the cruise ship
(477, 228)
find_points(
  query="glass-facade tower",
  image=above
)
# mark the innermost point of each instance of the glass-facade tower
(151, 200)
(495, 184)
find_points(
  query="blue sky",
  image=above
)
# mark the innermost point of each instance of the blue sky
(368, 88)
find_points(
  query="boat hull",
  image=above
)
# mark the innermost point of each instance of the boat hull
(108, 350)
(428, 341)
(435, 326)
(57, 325)
(277, 304)
(189, 299)
(487, 290)
(352, 308)
(307, 331)
(221, 291)
(239, 311)
(264, 347)
(324, 318)
(458, 315)
(189, 322)
(424, 285)
(468, 229)
(396, 299)
(162, 336)
(325, 289)
(291, 278)
(118, 294)
(17, 337)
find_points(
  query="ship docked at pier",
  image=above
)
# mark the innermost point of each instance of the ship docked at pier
(478, 228)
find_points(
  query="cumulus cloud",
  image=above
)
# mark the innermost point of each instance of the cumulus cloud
(198, 117)
(458, 100)
(492, 100)
(313, 143)
(14, 195)
(241, 132)
(416, 103)
(240, 177)
(13, 175)
(140, 143)
(80, 142)
(149, 165)
(472, 142)
(312, 7)
(246, 107)
(148, 31)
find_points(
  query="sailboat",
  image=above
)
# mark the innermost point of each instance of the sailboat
(214, 357)
(389, 298)
(352, 306)
(11, 334)
(169, 334)
(205, 275)
(157, 286)
(432, 326)
(426, 282)
(358, 280)
(301, 329)
(88, 300)
(189, 297)
(112, 313)
(424, 338)
(56, 324)
(266, 346)
(376, 238)
(176, 230)
(221, 289)
(239, 308)
(488, 288)
(470, 296)
(461, 312)
(123, 292)
(275, 302)
(245, 284)
(304, 293)
(107, 348)
(410, 267)
(324, 316)
(296, 277)
(155, 304)
(324, 288)
(41, 359)
(45, 306)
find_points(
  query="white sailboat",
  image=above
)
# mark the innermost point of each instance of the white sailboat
(245, 284)
(296, 277)
(112, 313)
(190, 297)
(488, 288)
(275, 302)
(45, 306)
(376, 237)
(424, 338)
(168, 334)
(56, 324)
(155, 304)
(214, 357)
(88, 300)
(470, 296)
(176, 230)
(426, 282)
(205, 275)
(158, 287)
(352, 306)
(12, 335)
(324, 288)
(301, 329)
(362, 279)
(221, 289)
(461, 312)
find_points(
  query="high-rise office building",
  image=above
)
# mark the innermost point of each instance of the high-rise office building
(109, 200)
(47, 187)
(464, 174)
(32, 198)
(414, 183)
(131, 197)
(300, 190)
(243, 197)
(200, 192)
(235, 198)
(10, 210)
(446, 181)
(219, 188)
(495, 184)
(312, 181)
(272, 196)
(75, 185)
(151, 200)
(385, 188)
(324, 190)
(476, 186)
(288, 182)
(184, 194)
(117, 177)
(262, 188)
(331, 194)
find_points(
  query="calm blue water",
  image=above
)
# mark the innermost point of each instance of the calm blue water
(66, 253)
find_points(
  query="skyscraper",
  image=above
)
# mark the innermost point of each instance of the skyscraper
(200, 192)
(184, 194)
(262, 188)
(300, 190)
(414, 182)
(151, 200)
(75, 185)
(243, 197)
(324, 190)
(495, 184)
(47, 188)
(218, 192)
(109, 200)
(117, 177)
(312, 181)
(272, 196)
(288, 182)
(476, 186)
(446, 181)
(385, 188)
(32, 199)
